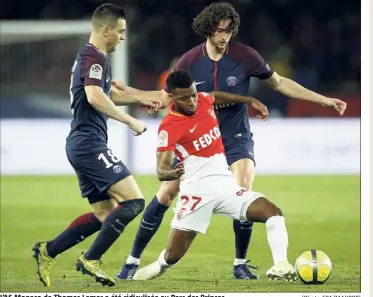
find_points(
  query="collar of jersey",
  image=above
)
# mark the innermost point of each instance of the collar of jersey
(204, 50)
(175, 113)
(178, 114)
(97, 50)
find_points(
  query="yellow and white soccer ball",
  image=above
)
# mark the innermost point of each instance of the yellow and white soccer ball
(313, 267)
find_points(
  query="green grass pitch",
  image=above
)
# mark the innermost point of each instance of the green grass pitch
(322, 212)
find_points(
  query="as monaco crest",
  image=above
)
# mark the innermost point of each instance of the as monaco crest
(212, 113)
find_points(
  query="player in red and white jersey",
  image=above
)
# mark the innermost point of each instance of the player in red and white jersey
(195, 139)
(190, 131)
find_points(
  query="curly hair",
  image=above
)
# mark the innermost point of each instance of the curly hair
(180, 79)
(207, 21)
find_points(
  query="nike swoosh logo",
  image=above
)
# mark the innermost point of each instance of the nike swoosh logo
(194, 128)
(199, 83)
(145, 222)
(120, 223)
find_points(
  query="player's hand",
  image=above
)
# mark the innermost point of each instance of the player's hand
(178, 170)
(137, 127)
(259, 106)
(339, 105)
(152, 104)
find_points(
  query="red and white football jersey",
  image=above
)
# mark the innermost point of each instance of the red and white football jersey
(195, 139)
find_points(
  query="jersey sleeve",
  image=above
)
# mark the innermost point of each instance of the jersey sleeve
(206, 97)
(93, 69)
(255, 64)
(168, 136)
(182, 63)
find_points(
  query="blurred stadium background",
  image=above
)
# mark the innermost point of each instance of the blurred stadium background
(308, 158)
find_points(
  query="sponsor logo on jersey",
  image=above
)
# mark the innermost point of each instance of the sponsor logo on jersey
(207, 139)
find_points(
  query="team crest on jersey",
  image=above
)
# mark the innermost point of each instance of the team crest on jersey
(162, 139)
(180, 214)
(212, 113)
(231, 81)
(95, 71)
(117, 169)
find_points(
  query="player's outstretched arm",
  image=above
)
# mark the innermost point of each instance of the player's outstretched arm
(153, 99)
(164, 170)
(294, 90)
(225, 98)
(123, 97)
(102, 103)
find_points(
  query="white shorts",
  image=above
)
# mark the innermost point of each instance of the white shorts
(198, 200)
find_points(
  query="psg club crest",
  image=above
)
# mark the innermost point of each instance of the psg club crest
(231, 81)
(212, 113)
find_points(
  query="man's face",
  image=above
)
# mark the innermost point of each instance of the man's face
(185, 100)
(115, 35)
(221, 36)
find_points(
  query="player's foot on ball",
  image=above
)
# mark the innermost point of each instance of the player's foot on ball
(127, 272)
(150, 271)
(282, 271)
(93, 269)
(43, 261)
(242, 271)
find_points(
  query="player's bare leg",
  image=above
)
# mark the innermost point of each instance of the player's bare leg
(179, 242)
(130, 203)
(262, 210)
(150, 222)
(244, 173)
(103, 208)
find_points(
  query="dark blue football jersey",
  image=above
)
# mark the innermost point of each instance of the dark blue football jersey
(230, 74)
(88, 127)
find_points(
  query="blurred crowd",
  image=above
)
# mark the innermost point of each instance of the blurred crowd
(317, 43)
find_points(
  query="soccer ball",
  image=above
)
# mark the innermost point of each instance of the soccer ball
(313, 267)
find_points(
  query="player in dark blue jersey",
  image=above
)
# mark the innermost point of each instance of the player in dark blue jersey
(223, 65)
(104, 180)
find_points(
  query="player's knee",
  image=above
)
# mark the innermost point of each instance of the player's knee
(272, 210)
(261, 209)
(131, 208)
(101, 214)
(167, 193)
(102, 209)
(245, 180)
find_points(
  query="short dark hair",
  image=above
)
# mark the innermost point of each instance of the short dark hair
(180, 79)
(107, 15)
(207, 21)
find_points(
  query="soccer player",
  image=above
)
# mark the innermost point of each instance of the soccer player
(104, 180)
(191, 131)
(223, 65)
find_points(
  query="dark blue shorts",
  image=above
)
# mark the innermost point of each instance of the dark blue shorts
(96, 170)
(237, 148)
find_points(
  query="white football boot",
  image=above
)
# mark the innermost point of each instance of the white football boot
(150, 271)
(282, 271)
